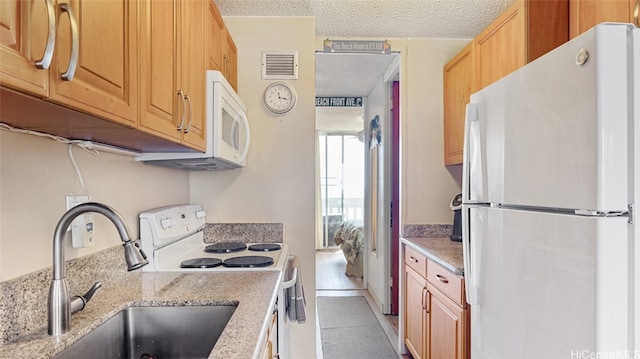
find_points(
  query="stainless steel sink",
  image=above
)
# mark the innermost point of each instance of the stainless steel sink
(154, 332)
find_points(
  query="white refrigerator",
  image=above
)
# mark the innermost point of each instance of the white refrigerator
(550, 173)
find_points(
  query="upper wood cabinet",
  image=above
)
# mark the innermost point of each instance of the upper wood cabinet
(585, 14)
(193, 67)
(24, 34)
(231, 62)
(525, 31)
(172, 58)
(223, 54)
(458, 86)
(92, 64)
(99, 40)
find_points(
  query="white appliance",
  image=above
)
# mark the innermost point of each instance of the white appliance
(172, 238)
(227, 131)
(550, 181)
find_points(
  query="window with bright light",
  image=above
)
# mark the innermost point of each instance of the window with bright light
(341, 181)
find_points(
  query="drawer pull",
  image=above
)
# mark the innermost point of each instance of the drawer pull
(442, 279)
(413, 259)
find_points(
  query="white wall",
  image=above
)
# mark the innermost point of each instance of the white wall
(35, 176)
(278, 183)
(427, 186)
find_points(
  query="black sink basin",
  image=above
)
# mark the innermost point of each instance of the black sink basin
(154, 332)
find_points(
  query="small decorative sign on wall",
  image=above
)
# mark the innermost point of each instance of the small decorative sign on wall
(359, 46)
(338, 101)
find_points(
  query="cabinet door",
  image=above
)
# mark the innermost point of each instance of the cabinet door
(504, 36)
(192, 79)
(231, 62)
(24, 34)
(415, 289)
(105, 79)
(159, 98)
(585, 14)
(458, 79)
(216, 40)
(446, 324)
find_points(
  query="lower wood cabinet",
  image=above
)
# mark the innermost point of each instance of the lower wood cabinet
(436, 316)
(446, 324)
(415, 312)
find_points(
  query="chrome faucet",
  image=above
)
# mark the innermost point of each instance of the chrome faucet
(60, 305)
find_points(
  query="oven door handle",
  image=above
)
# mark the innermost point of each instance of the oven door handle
(292, 282)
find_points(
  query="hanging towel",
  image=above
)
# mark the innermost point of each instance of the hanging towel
(295, 302)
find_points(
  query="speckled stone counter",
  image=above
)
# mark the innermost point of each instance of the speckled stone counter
(243, 232)
(254, 293)
(441, 250)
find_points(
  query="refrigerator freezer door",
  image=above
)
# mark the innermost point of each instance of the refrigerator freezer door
(547, 285)
(555, 133)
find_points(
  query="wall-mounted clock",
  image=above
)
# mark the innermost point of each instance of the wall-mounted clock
(279, 98)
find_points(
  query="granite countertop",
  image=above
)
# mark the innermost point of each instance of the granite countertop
(254, 292)
(442, 250)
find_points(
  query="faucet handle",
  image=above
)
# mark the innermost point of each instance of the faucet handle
(78, 302)
(89, 294)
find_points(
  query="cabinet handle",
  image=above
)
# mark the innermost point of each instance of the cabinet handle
(428, 308)
(182, 97)
(73, 59)
(45, 61)
(442, 279)
(413, 259)
(423, 295)
(635, 14)
(186, 130)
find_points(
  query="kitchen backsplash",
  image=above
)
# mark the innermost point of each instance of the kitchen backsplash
(426, 230)
(243, 232)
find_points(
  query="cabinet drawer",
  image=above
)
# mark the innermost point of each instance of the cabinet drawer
(447, 282)
(415, 260)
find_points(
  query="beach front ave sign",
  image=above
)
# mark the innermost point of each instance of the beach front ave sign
(338, 101)
(359, 46)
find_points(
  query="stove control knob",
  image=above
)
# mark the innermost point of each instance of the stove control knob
(200, 214)
(166, 223)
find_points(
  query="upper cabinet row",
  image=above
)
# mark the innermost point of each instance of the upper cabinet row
(525, 31)
(138, 64)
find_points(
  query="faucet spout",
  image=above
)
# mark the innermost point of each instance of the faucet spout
(59, 302)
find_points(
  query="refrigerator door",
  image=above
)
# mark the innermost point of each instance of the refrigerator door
(548, 285)
(556, 132)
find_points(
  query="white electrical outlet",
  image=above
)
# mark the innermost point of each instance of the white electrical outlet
(82, 227)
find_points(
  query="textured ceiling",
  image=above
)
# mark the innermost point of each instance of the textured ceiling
(462, 19)
(355, 74)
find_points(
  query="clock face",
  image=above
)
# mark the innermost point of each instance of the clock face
(279, 98)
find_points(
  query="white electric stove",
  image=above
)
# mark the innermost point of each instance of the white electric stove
(173, 240)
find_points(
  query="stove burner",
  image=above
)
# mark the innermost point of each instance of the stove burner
(225, 247)
(201, 263)
(248, 262)
(265, 247)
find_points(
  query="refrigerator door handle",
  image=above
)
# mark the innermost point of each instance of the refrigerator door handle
(472, 157)
(469, 282)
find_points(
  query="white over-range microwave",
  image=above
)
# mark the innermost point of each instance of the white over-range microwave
(227, 130)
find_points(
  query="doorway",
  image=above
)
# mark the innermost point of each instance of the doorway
(365, 79)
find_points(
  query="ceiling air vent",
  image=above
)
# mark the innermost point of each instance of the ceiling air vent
(279, 65)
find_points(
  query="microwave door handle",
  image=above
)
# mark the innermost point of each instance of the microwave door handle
(245, 122)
